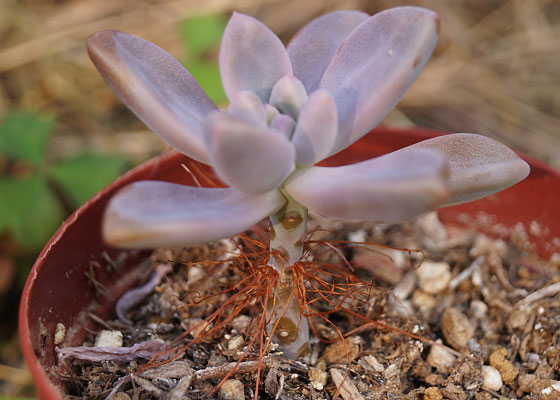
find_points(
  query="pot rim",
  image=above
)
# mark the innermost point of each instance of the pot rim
(45, 387)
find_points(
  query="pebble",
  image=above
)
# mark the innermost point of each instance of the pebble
(59, 333)
(479, 309)
(107, 338)
(120, 396)
(372, 362)
(391, 371)
(440, 359)
(433, 277)
(432, 393)
(498, 359)
(491, 378)
(318, 378)
(422, 300)
(343, 351)
(232, 389)
(456, 328)
(236, 343)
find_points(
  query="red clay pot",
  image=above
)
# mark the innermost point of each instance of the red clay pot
(57, 290)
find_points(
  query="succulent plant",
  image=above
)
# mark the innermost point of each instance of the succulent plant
(291, 107)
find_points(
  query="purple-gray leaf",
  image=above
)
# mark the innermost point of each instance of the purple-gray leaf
(316, 129)
(391, 188)
(288, 96)
(313, 47)
(247, 106)
(248, 157)
(375, 65)
(251, 57)
(151, 214)
(155, 87)
(478, 165)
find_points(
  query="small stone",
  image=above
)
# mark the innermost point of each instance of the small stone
(441, 359)
(232, 389)
(318, 378)
(422, 300)
(107, 338)
(372, 362)
(195, 274)
(241, 323)
(519, 319)
(479, 309)
(391, 371)
(433, 277)
(432, 393)
(456, 328)
(120, 396)
(236, 343)
(498, 359)
(343, 351)
(491, 378)
(551, 392)
(59, 333)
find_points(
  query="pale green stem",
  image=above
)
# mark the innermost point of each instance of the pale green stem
(289, 226)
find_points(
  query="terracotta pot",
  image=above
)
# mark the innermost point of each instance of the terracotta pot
(58, 292)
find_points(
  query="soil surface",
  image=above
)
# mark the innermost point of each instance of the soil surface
(430, 312)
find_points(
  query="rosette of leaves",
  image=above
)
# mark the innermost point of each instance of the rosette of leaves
(291, 107)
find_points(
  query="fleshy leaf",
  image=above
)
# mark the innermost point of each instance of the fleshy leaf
(248, 157)
(390, 188)
(247, 106)
(155, 87)
(251, 57)
(150, 214)
(288, 96)
(284, 124)
(478, 165)
(375, 65)
(313, 47)
(315, 132)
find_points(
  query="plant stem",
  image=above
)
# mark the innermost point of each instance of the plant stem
(289, 226)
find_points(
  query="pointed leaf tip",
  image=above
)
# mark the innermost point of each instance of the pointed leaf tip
(151, 214)
(155, 87)
(313, 47)
(251, 57)
(478, 165)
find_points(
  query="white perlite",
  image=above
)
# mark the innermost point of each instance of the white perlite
(107, 338)
(434, 277)
(491, 378)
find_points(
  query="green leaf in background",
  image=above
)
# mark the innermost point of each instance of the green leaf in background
(29, 210)
(201, 38)
(83, 176)
(24, 136)
(202, 33)
(208, 76)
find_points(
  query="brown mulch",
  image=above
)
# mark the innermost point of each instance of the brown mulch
(493, 306)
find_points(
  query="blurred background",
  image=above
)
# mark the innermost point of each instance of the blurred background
(64, 135)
